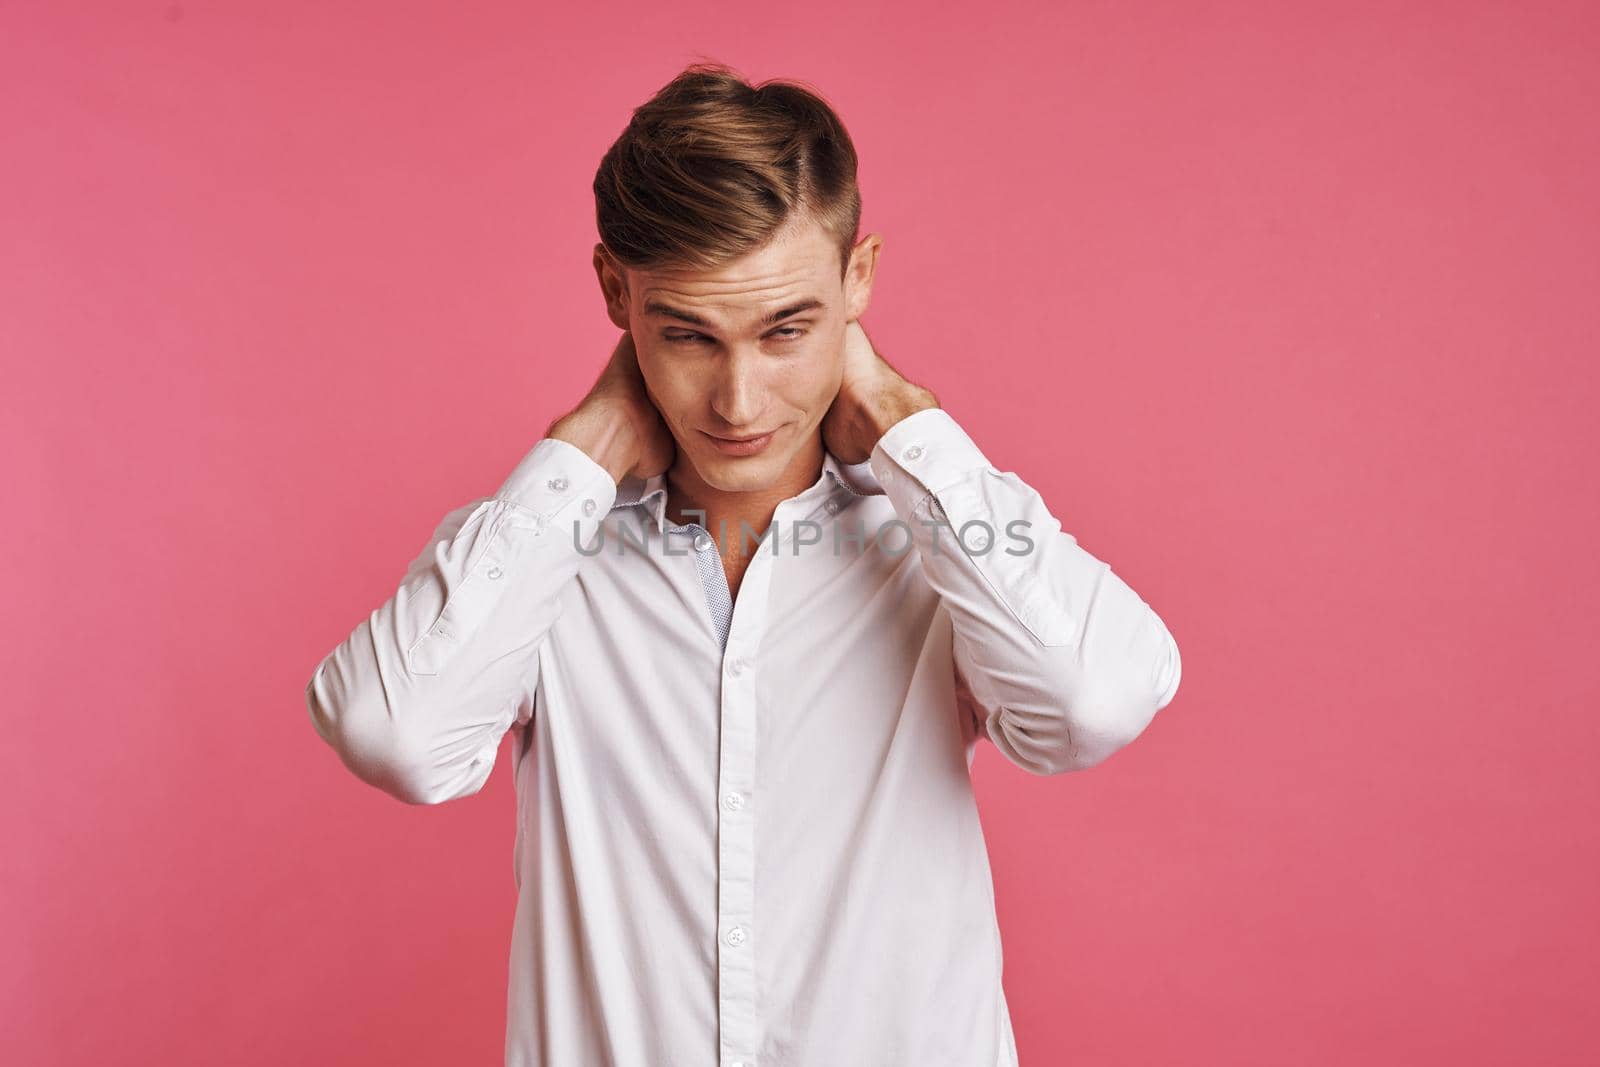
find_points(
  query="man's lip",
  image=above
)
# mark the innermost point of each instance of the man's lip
(752, 437)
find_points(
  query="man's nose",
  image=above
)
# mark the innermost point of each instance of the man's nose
(738, 395)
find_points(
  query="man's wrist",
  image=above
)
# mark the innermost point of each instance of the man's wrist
(604, 434)
(895, 405)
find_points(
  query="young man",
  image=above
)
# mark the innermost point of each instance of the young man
(747, 608)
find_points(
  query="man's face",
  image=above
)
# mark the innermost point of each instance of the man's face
(753, 347)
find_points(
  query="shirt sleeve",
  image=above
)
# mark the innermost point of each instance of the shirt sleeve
(1063, 662)
(416, 699)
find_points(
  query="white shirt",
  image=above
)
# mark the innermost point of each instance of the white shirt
(746, 830)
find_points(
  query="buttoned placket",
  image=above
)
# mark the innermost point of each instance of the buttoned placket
(739, 1010)
(738, 1013)
(739, 626)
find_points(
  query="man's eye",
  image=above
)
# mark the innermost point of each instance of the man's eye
(783, 333)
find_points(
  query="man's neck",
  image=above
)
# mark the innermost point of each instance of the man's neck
(688, 495)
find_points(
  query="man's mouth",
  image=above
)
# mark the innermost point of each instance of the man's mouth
(748, 445)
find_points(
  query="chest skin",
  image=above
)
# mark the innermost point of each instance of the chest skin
(734, 567)
(734, 555)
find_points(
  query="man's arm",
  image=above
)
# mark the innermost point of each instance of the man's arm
(1064, 663)
(1061, 662)
(416, 700)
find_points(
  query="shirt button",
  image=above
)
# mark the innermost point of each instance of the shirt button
(832, 506)
(735, 936)
(559, 484)
(588, 507)
(733, 801)
(702, 543)
(495, 572)
(913, 452)
(737, 665)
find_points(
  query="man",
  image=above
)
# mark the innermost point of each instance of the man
(748, 608)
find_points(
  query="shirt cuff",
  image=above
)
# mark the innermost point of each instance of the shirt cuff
(556, 474)
(926, 450)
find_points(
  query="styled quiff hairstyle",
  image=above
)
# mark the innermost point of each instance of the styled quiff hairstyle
(711, 168)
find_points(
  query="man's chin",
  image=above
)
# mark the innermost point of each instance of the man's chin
(738, 474)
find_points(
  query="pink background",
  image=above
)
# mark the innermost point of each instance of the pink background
(1288, 310)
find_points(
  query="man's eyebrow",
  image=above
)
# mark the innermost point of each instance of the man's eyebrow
(656, 307)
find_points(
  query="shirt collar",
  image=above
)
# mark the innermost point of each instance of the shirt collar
(856, 479)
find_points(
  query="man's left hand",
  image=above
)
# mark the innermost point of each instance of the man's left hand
(873, 396)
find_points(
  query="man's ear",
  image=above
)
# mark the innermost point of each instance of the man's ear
(613, 286)
(859, 274)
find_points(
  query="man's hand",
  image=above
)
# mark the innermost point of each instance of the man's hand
(617, 423)
(872, 397)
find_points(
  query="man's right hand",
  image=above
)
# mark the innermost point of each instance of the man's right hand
(617, 424)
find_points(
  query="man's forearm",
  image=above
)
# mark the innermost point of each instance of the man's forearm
(604, 434)
(894, 405)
